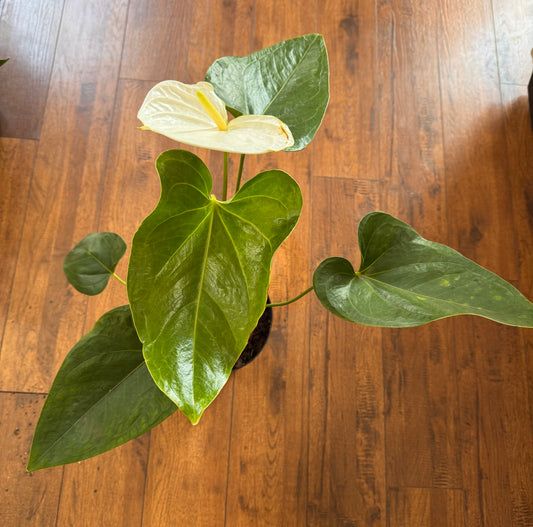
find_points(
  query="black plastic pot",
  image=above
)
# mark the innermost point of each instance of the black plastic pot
(257, 339)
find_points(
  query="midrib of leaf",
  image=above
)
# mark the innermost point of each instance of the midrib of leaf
(236, 255)
(409, 292)
(206, 327)
(101, 263)
(200, 289)
(173, 217)
(91, 409)
(289, 77)
(375, 290)
(185, 240)
(186, 184)
(253, 225)
(77, 367)
(264, 196)
(407, 266)
(362, 271)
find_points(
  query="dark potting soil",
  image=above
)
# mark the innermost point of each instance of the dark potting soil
(257, 339)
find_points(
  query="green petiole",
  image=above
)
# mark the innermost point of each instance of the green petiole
(239, 176)
(277, 304)
(225, 187)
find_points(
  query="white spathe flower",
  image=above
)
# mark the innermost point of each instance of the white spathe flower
(193, 114)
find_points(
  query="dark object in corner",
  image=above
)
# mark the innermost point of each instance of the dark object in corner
(530, 95)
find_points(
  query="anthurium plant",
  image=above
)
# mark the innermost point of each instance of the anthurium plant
(199, 269)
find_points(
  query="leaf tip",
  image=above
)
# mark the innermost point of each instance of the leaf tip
(33, 464)
(194, 419)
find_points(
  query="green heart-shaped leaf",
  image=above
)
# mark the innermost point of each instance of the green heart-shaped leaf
(289, 80)
(405, 280)
(199, 272)
(90, 264)
(102, 396)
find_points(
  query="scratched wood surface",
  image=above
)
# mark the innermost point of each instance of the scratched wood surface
(334, 424)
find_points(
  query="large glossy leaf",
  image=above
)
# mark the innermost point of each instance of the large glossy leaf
(102, 396)
(405, 280)
(289, 80)
(199, 272)
(92, 261)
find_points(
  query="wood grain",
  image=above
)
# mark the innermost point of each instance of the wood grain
(166, 42)
(188, 468)
(157, 40)
(28, 36)
(513, 23)
(28, 498)
(45, 319)
(16, 158)
(349, 135)
(421, 417)
(492, 374)
(519, 445)
(346, 433)
(107, 489)
(423, 507)
(477, 178)
(334, 423)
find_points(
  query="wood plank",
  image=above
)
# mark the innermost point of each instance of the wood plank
(157, 40)
(349, 135)
(411, 144)
(187, 470)
(423, 447)
(28, 498)
(422, 438)
(346, 424)
(28, 36)
(473, 138)
(107, 489)
(422, 507)
(185, 38)
(493, 408)
(16, 164)
(513, 23)
(45, 318)
(346, 443)
(267, 479)
(492, 375)
(520, 428)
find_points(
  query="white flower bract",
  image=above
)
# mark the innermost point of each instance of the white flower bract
(174, 110)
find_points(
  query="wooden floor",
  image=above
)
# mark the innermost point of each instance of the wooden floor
(334, 424)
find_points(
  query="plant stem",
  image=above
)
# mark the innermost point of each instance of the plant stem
(225, 188)
(292, 300)
(119, 279)
(241, 164)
